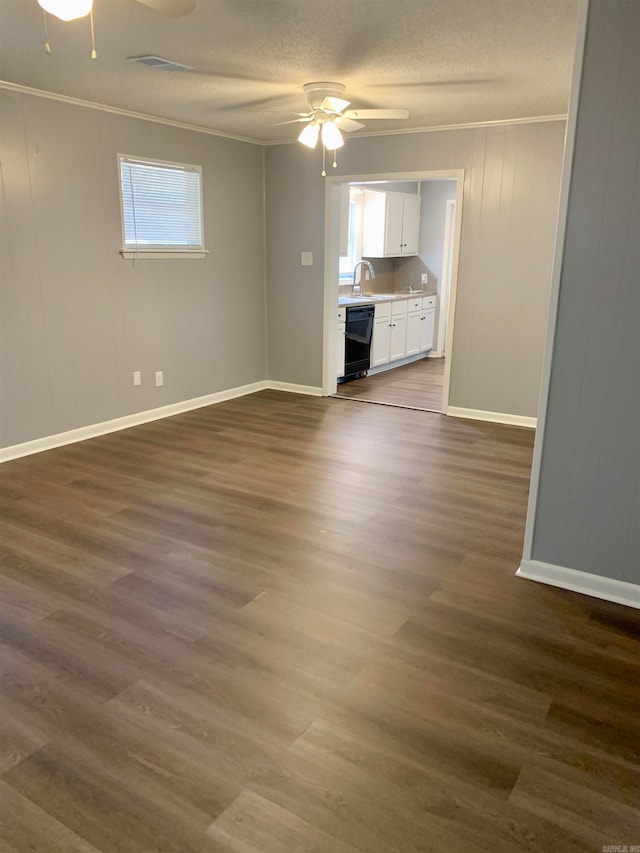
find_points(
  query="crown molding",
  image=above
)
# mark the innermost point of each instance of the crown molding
(78, 102)
(438, 128)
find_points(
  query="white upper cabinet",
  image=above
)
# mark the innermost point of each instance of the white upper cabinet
(391, 224)
(410, 224)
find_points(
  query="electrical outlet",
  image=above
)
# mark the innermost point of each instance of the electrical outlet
(424, 278)
(159, 378)
(137, 378)
(306, 259)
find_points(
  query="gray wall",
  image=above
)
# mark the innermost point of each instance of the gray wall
(511, 194)
(588, 508)
(76, 319)
(433, 211)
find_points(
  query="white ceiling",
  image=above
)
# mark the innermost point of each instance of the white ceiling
(447, 61)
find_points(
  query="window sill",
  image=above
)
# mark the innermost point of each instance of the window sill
(151, 255)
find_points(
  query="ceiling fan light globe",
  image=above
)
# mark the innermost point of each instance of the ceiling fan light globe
(331, 136)
(309, 135)
(67, 10)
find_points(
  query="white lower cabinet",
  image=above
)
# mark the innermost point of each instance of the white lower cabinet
(398, 338)
(427, 323)
(414, 328)
(398, 342)
(426, 330)
(380, 342)
(381, 335)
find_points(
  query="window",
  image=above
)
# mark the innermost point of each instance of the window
(161, 209)
(354, 240)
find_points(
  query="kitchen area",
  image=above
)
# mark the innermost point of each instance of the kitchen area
(395, 270)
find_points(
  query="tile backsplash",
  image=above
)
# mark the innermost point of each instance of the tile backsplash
(396, 275)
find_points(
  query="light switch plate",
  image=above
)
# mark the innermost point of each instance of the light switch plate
(306, 259)
(424, 279)
(137, 378)
(159, 378)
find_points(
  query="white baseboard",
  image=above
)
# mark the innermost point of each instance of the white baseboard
(492, 417)
(48, 442)
(309, 390)
(435, 354)
(596, 586)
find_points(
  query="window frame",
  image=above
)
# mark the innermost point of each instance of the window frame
(165, 252)
(347, 277)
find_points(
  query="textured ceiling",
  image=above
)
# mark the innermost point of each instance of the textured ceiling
(447, 61)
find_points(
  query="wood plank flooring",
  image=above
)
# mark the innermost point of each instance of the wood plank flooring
(418, 385)
(289, 625)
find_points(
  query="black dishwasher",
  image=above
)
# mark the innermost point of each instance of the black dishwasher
(358, 332)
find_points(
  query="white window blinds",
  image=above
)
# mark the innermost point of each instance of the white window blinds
(161, 206)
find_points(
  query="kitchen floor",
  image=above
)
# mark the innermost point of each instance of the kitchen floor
(418, 385)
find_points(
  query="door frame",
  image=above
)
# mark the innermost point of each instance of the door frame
(445, 288)
(331, 262)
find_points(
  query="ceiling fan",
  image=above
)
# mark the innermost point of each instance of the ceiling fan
(72, 10)
(328, 116)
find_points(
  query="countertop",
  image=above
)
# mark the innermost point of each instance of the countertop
(380, 297)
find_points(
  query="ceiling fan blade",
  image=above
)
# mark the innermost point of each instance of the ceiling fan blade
(277, 112)
(460, 81)
(368, 114)
(348, 124)
(291, 121)
(334, 105)
(170, 8)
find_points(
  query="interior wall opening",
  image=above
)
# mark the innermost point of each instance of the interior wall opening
(392, 245)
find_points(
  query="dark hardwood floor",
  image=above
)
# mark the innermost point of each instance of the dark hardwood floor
(418, 385)
(289, 625)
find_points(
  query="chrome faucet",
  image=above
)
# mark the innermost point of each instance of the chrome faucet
(356, 290)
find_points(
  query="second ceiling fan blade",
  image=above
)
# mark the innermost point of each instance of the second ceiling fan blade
(368, 114)
(348, 124)
(306, 119)
(334, 105)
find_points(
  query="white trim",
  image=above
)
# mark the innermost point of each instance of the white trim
(595, 586)
(445, 278)
(452, 295)
(79, 102)
(440, 127)
(48, 442)
(491, 417)
(558, 255)
(150, 255)
(291, 387)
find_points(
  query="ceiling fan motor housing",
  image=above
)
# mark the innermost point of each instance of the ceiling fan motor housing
(317, 92)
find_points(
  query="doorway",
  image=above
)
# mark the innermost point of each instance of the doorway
(411, 379)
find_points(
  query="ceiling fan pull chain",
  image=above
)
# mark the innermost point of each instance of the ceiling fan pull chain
(335, 158)
(324, 152)
(47, 46)
(94, 54)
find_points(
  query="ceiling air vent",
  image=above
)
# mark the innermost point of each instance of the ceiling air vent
(159, 62)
